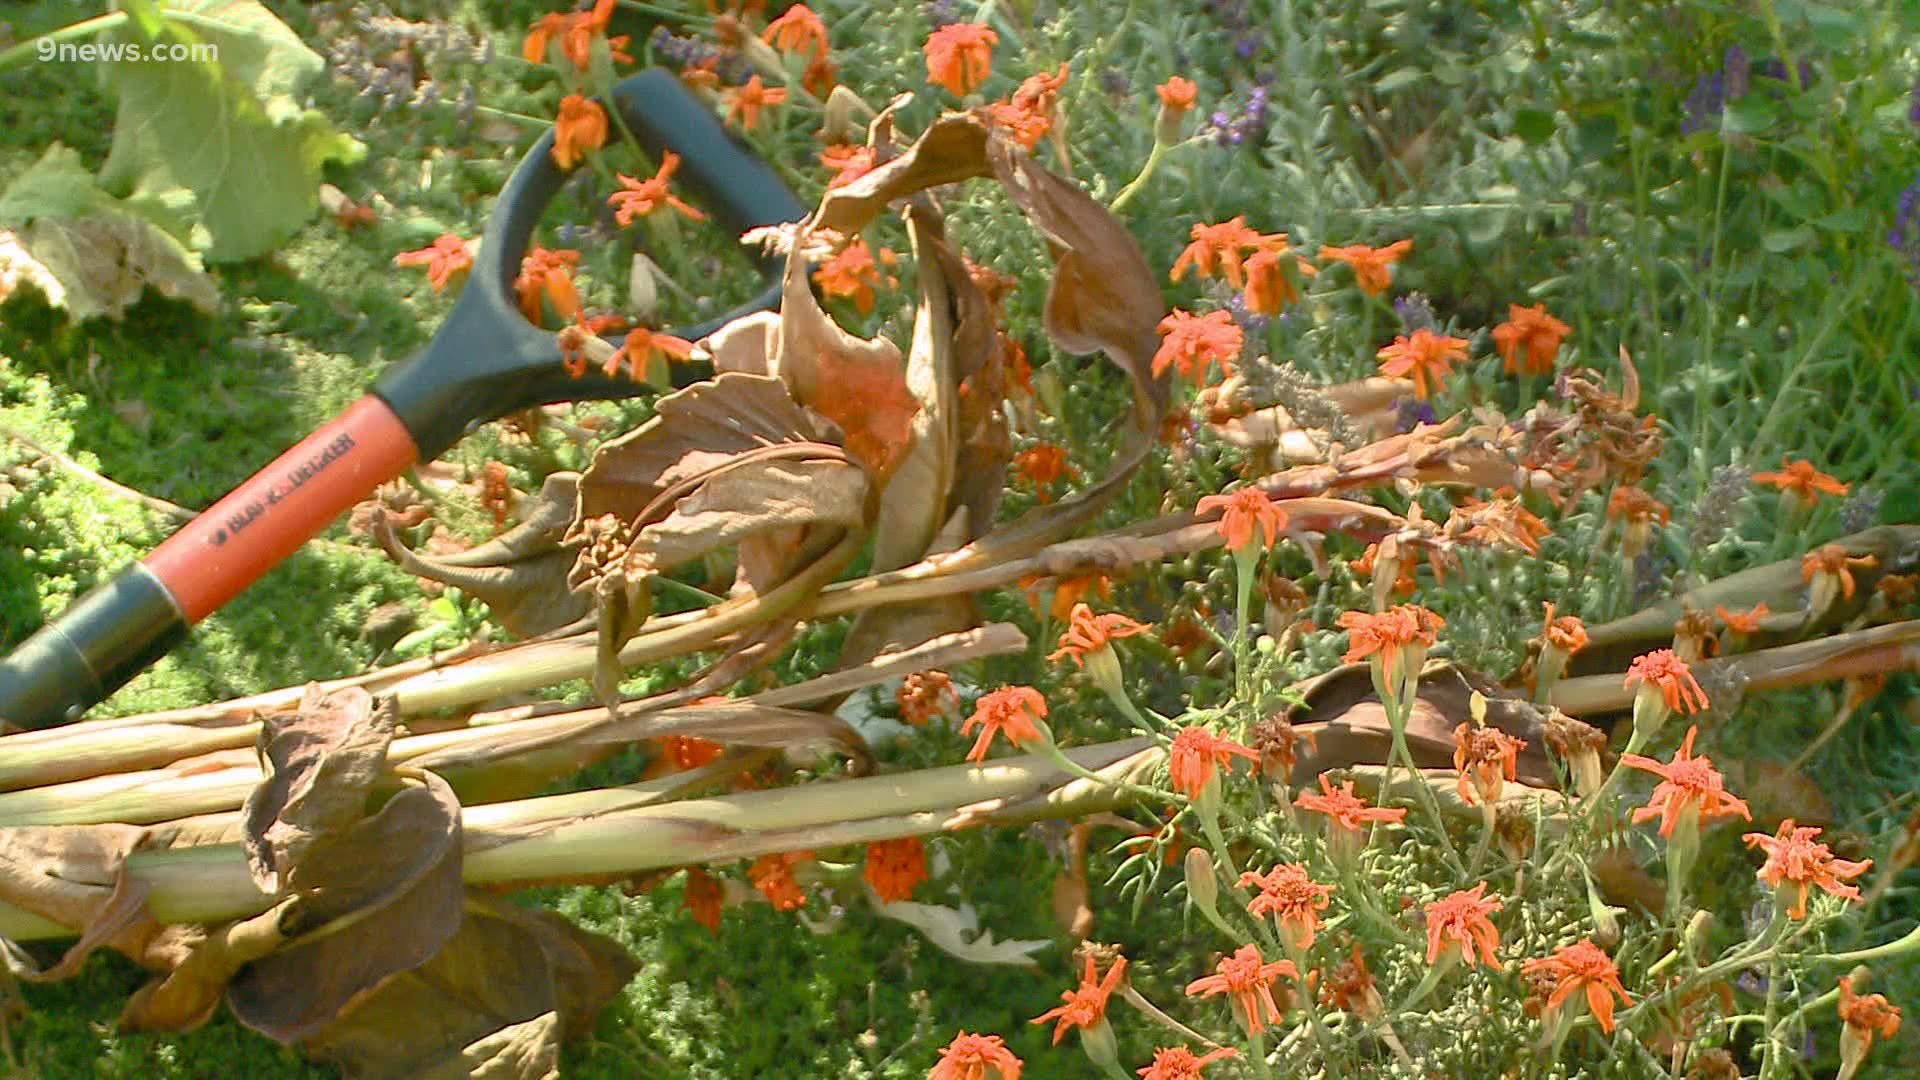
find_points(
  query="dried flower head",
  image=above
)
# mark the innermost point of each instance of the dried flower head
(1485, 758)
(703, 898)
(924, 695)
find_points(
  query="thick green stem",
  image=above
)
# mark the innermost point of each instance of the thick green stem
(31, 48)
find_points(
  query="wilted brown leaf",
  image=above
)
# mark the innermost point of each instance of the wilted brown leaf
(480, 1006)
(953, 149)
(1343, 724)
(521, 575)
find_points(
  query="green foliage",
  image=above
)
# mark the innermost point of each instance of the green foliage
(228, 129)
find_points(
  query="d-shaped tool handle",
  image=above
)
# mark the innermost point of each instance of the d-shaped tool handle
(484, 362)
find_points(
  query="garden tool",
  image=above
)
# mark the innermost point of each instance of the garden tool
(485, 362)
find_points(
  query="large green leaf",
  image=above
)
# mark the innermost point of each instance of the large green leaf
(100, 251)
(230, 131)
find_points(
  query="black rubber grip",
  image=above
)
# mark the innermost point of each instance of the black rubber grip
(487, 360)
(98, 643)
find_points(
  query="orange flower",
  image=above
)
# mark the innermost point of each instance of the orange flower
(446, 256)
(1269, 289)
(1458, 924)
(968, 1057)
(1691, 790)
(1372, 267)
(1247, 980)
(1012, 709)
(1800, 477)
(896, 867)
(1191, 341)
(1486, 758)
(641, 197)
(1028, 114)
(582, 127)
(639, 351)
(690, 751)
(821, 76)
(849, 163)
(1067, 592)
(1832, 563)
(1566, 633)
(852, 274)
(1178, 1063)
(1637, 507)
(924, 695)
(1425, 356)
(1743, 622)
(1392, 634)
(798, 29)
(1087, 633)
(1863, 1016)
(1532, 329)
(1085, 1005)
(1196, 753)
(773, 876)
(1795, 857)
(1344, 809)
(1043, 465)
(960, 56)
(1292, 897)
(1582, 968)
(703, 897)
(1217, 249)
(1243, 512)
(745, 102)
(576, 31)
(1178, 94)
(1663, 668)
(550, 274)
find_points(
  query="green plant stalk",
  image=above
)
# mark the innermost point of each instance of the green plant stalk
(476, 752)
(554, 838)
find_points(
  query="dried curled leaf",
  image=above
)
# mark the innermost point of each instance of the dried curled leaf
(1343, 724)
(521, 575)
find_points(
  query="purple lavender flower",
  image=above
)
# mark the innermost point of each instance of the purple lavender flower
(942, 13)
(1904, 237)
(1861, 509)
(1913, 105)
(1705, 104)
(1412, 412)
(1415, 312)
(1254, 323)
(1739, 72)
